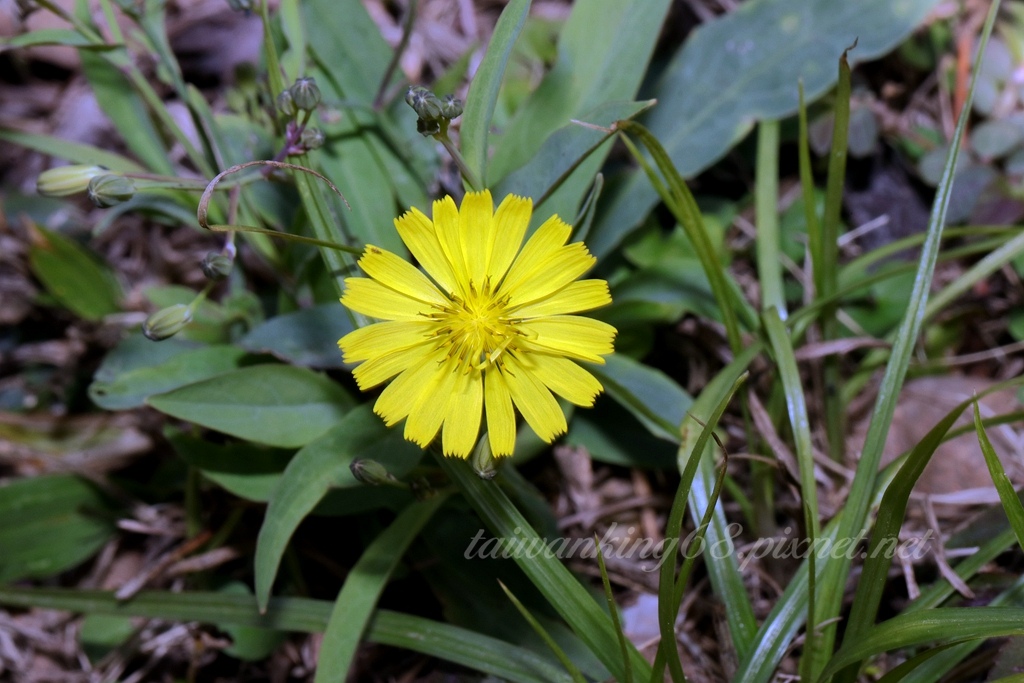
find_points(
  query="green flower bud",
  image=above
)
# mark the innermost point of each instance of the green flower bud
(216, 266)
(110, 190)
(371, 472)
(285, 104)
(312, 138)
(167, 322)
(483, 461)
(67, 180)
(242, 5)
(426, 128)
(305, 93)
(451, 107)
(415, 95)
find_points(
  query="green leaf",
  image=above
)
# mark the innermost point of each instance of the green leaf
(363, 585)
(101, 633)
(483, 91)
(308, 337)
(744, 67)
(246, 470)
(48, 524)
(74, 276)
(1007, 495)
(431, 638)
(324, 464)
(277, 405)
(121, 390)
(249, 643)
(649, 394)
(74, 152)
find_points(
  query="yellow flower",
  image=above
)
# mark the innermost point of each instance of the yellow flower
(488, 329)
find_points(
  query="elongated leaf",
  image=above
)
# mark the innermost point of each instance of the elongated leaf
(1007, 496)
(544, 569)
(74, 276)
(744, 67)
(112, 390)
(483, 91)
(322, 465)
(365, 581)
(74, 152)
(308, 337)
(277, 405)
(943, 626)
(53, 36)
(432, 638)
(49, 524)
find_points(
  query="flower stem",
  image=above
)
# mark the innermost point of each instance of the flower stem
(470, 177)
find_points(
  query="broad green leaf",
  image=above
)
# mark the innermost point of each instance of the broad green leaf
(112, 390)
(451, 643)
(74, 276)
(308, 337)
(74, 152)
(277, 405)
(363, 585)
(613, 436)
(320, 466)
(483, 91)
(744, 67)
(649, 394)
(101, 633)
(249, 643)
(50, 523)
(246, 470)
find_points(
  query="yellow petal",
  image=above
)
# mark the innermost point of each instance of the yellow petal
(426, 416)
(382, 368)
(501, 418)
(510, 223)
(371, 298)
(383, 338)
(398, 274)
(417, 232)
(534, 400)
(575, 297)
(462, 423)
(550, 275)
(399, 397)
(475, 230)
(563, 377)
(569, 335)
(446, 226)
(550, 236)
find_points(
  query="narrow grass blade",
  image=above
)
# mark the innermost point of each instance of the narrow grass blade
(944, 626)
(1007, 495)
(75, 152)
(577, 675)
(432, 638)
(858, 501)
(807, 183)
(766, 209)
(613, 610)
(483, 91)
(680, 201)
(365, 582)
(565, 593)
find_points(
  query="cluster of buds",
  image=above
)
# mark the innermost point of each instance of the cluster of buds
(303, 96)
(104, 188)
(433, 113)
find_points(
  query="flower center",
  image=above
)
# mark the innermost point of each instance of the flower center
(477, 328)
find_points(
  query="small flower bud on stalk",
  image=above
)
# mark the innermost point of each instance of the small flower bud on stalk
(286, 104)
(372, 472)
(305, 93)
(110, 190)
(482, 460)
(451, 107)
(216, 266)
(67, 180)
(312, 138)
(241, 5)
(167, 322)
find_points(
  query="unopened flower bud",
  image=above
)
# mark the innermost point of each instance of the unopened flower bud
(483, 461)
(110, 190)
(67, 180)
(451, 107)
(428, 127)
(312, 138)
(216, 266)
(167, 322)
(241, 5)
(285, 104)
(371, 472)
(305, 93)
